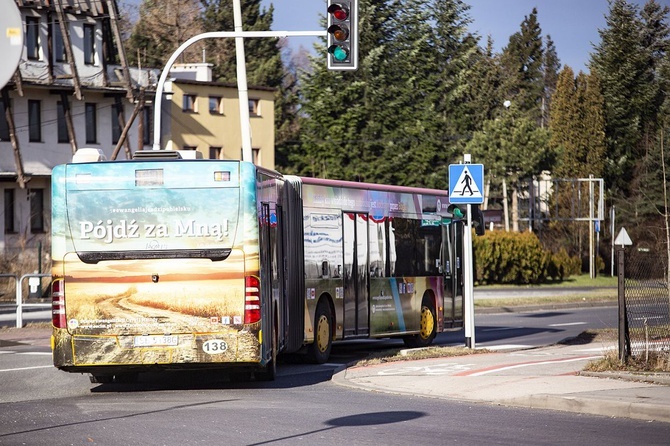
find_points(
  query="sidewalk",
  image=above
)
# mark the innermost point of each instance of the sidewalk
(540, 378)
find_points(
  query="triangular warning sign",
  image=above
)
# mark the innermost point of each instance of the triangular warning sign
(466, 186)
(623, 238)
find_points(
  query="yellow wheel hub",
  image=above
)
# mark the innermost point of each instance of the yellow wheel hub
(427, 323)
(322, 333)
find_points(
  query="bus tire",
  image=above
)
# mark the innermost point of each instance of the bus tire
(269, 372)
(240, 375)
(428, 328)
(319, 350)
(101, 379)
(126, 378)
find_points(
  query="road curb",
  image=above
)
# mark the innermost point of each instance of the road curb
(543, 307)
(593, 406)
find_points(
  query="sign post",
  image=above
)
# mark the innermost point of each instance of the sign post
(466, 183)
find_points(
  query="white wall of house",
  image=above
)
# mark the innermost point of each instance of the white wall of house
(19, 224)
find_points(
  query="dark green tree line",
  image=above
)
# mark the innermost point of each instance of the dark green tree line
(630, 62)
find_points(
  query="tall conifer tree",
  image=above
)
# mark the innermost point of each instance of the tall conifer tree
(619, 62)
(522, 61)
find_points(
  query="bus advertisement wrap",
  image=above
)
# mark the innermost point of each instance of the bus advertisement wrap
(129, 288)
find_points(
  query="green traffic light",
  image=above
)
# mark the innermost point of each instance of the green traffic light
(458, 213)
(339, 53)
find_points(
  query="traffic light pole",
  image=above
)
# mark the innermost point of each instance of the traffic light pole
(246, 132)
(242, 90)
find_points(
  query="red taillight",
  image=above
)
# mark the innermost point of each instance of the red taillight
(252, 300)
(58, 318)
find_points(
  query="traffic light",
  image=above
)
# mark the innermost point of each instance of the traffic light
(455, 213)
(478, 220)
(342, 34)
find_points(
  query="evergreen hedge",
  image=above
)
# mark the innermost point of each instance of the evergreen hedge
(519, 258)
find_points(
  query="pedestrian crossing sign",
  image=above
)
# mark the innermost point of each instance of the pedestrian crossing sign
(466, 183)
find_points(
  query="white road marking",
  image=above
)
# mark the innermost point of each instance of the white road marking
(504, 346)
(28, 368)
(517, 366)
(567, 324)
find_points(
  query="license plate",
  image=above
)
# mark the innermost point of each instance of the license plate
(155, 340)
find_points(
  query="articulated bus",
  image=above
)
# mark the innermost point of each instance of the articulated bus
(163, 263)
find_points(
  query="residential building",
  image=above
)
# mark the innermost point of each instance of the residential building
(205, 116)
(72, 89)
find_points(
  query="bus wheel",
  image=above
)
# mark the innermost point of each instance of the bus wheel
(269, 373)
(241, 375)
(428, 328)
(126, 378)
(101, 379)
(319, 351)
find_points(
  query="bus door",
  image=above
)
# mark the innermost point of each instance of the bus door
(356, 271)
(267, 266)
(452, 270)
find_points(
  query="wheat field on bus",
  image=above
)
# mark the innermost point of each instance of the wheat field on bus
(204, 298)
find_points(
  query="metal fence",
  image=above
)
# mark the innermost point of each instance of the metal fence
(30, 292)
(646, 305)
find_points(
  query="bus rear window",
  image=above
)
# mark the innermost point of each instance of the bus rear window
(149, 177)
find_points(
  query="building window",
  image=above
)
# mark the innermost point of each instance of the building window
(91, 124)
(216, 105)
(33, 38)
(89, 44)
(189, 103)
(62, 125)
(4, 125)
(36, 210)
(254, 107)
(34, 121)
(187, 147)
(255, 155)
(59, 45)
(215, 153)
(9, 211)
(117, 109)
(148, 125)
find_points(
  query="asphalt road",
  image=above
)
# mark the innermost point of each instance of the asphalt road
(50, 407)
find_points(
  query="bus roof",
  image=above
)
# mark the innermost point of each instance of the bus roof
(372, 186)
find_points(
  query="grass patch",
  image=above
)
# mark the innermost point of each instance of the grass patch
(593, 296)
(656, 362)
(583, 280)
(28, 325)
(397, 354)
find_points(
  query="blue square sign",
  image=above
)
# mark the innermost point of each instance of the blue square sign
(466, 183)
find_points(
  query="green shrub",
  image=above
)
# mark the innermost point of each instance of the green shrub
(560, 265)
(510, 257)
(519, 258)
